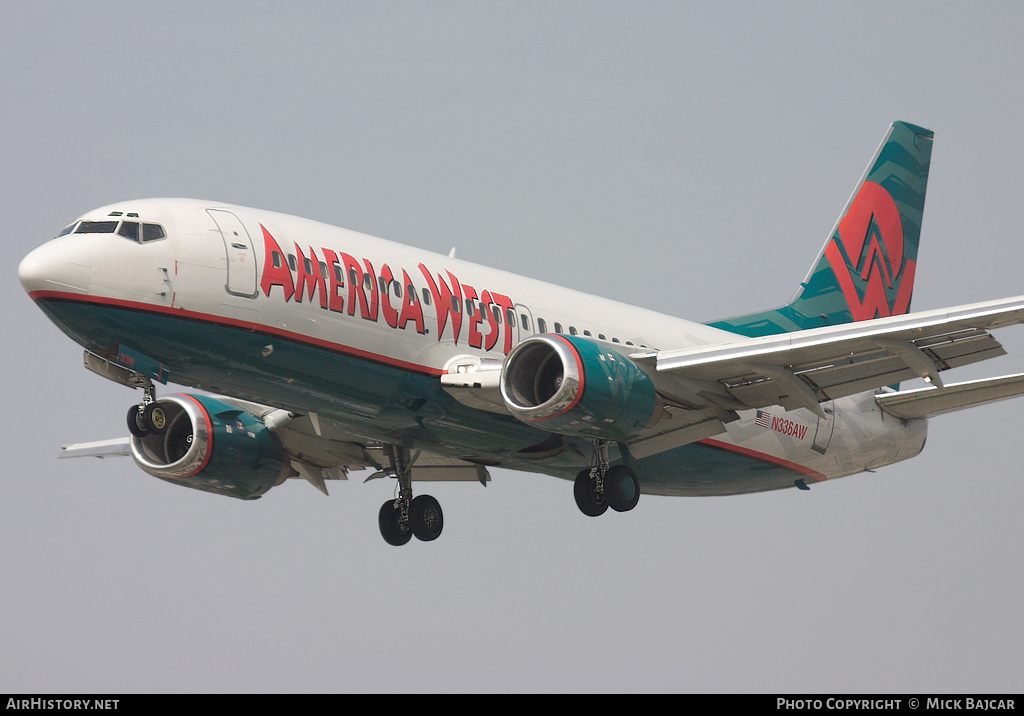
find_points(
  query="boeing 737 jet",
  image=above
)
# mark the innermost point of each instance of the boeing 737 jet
(328, 351)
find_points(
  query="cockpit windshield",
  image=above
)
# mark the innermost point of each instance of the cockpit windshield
(96, 227)
(149, 232)
(136, 231)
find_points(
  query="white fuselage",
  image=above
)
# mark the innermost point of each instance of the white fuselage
(294, 280)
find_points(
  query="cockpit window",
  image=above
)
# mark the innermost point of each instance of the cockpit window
(96, 227)
(152, 232)
(129, 230)
(68, 229)
(140, 233)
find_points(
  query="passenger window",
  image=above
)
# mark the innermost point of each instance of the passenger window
(339, 276)
(496, 312)
(382, 282)
(323, 270)
(275, 258)
(398, 289)
(587, 333)
(524, 321)
(542, 325)
(152, 232)
(456, 304)
(470, 307)
(558, 327)
(367, 281)
(572, 331)
(308, 265)
(353, 276)
(511, 315)
(129, 230)
(601, 336)
(291, 262)
(426, 297)
(615, 340)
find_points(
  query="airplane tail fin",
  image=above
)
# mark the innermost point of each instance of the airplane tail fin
(866, 268)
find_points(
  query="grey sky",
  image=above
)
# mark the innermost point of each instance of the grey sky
(686, 157)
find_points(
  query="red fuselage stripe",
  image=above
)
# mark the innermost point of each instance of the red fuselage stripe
(813, 474)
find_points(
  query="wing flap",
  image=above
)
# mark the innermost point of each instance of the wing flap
(680, 429)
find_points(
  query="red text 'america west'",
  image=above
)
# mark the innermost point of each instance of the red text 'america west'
(338, 292)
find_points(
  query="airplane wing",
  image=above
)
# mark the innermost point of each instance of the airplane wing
(118, 447)
(803, 368)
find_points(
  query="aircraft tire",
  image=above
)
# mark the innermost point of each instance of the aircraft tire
(622, 488)
(134, 420)
(389, 520)
(586, 499)
(426, 518)
(154, 419)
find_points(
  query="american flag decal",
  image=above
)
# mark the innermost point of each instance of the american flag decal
(764, 418)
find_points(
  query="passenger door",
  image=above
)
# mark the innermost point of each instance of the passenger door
(241, 258)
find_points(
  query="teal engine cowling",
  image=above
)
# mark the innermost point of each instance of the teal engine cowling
(577, 386)
(210, 445)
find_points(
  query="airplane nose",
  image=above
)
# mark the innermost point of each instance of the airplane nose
(59, 265)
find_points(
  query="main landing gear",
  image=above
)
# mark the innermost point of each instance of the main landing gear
(406, 517)
(602, 486)
(147, 418)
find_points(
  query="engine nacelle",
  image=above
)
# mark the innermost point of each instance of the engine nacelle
(212, 446)
(577, 386)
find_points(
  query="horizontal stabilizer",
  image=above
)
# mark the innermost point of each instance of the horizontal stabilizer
(928, 402)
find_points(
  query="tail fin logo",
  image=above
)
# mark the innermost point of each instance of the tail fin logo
(867, 256)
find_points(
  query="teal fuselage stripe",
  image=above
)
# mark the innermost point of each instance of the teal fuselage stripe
(379, 401)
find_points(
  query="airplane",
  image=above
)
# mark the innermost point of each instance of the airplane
(319, 351)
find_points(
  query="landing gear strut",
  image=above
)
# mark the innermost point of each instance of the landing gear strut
(406, 517)
(147, 417)
(602, 485)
